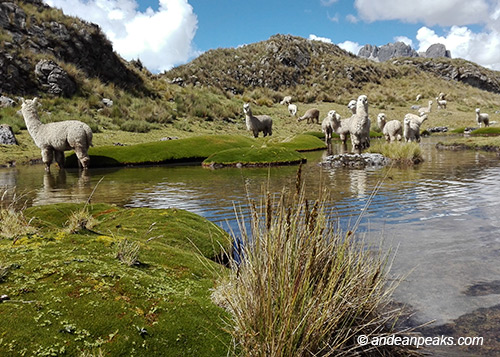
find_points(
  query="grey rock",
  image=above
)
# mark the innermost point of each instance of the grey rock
(7, 136)
(388, 51)
(54, 79)
(437, 50)
(356, 160)
(6, 102)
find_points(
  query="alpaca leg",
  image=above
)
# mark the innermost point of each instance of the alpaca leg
(59, 157)
(83, 158)
(47, 157)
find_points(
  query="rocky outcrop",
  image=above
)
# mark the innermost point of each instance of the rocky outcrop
(31, 29)
(54, 79)
(400, 49)
(386, 52)
(7, 136)
(437, 50)
(457, 70)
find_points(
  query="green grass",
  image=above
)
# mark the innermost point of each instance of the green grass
(70, 294)
(401, 152)
(201, 147)
(486, 131)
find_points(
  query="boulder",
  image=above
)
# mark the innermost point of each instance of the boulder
(7, 136)
(437, 50)
(54, 79)
(6, 102)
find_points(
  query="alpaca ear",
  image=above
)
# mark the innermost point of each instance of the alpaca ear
(35, 100)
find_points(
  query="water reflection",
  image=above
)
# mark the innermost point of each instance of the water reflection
(441, 215)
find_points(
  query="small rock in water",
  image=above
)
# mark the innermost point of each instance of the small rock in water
(356, 160)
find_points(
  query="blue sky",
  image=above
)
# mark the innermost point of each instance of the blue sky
(166, 33)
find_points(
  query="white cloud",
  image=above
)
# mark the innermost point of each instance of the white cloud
(161, 39)
(429, 12)
(453, 16)
(328, 2)
(404, 39)
(317, 38)
(482, 47)
(350, 46)
(352, 19)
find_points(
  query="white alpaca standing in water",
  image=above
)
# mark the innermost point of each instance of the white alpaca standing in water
(55, 138)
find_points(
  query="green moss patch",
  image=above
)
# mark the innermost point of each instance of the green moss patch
(190, 149)
(274, 155)
(200, 148)
(69, 294)
(486, 131)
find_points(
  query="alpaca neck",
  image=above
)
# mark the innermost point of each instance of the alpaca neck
(32, 121)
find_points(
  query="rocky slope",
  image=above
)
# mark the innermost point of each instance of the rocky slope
(286, 61)
(39, 42)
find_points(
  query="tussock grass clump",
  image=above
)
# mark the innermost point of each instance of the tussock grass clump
(303, 288)
(13, 224)
(80, 220)
(128, 252)
(401, 152)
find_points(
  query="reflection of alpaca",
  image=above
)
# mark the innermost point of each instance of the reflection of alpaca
(55, 138)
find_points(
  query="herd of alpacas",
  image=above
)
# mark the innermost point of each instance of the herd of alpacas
(55, 138)
(358, 125)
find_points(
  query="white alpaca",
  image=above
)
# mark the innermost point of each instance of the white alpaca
(441, 103)
(286, 100)
(427, 109)
(292, 109)
(330, 124)
(360, 125)
(392, 130)
(310, 115)
(482, 118)
(55, 138)
(257, 123)
(412, 123)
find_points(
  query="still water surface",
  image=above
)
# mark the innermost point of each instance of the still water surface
(442, 216)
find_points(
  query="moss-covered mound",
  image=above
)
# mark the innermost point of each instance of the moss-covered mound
(194, 149)
(254, 156)
(190, 149)
(68, 293)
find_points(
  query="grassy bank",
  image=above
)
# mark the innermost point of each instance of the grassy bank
(235, 148)
(136, 283)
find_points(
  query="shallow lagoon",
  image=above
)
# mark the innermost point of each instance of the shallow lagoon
(440, 217)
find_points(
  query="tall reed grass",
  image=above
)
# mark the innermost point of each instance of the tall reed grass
(13, 224)
(301, 287)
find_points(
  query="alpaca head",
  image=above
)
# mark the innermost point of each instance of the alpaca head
(246, 108)
(362, 103)
(352, 106)
(30, 103)
(478, 110)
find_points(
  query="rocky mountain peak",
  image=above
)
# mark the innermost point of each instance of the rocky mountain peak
(401, 49)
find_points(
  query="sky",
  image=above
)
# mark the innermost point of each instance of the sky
(167, 33)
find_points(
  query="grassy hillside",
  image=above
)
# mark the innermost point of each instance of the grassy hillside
(206, 95)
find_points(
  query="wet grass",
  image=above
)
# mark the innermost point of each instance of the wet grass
(71, 294)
